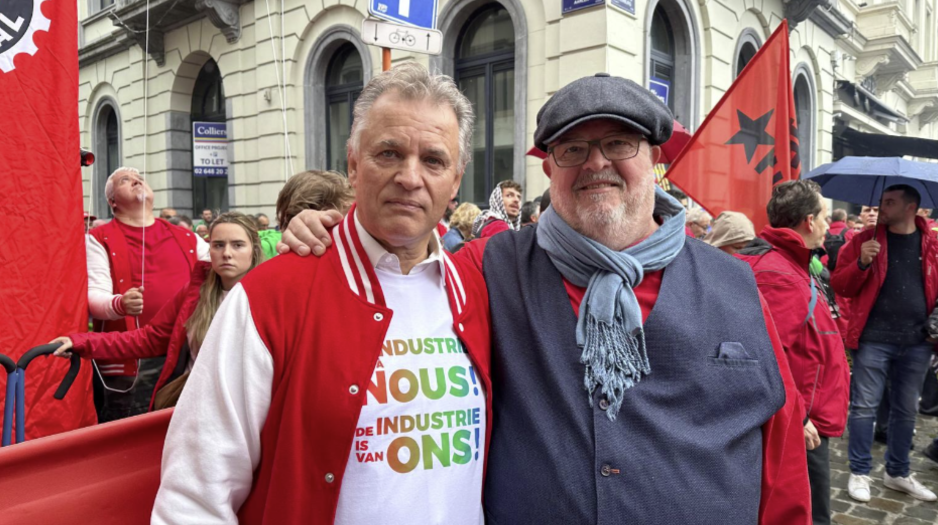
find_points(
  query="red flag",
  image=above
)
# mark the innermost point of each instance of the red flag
(748, 143)
(43, 279)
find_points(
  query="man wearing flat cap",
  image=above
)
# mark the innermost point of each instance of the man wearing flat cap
(636, 375)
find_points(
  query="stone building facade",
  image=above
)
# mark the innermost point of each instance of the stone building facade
(282, 76)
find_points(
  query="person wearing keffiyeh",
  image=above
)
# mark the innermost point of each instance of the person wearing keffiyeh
(504, 211)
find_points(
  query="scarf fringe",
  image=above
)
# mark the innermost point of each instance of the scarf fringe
(614, 359)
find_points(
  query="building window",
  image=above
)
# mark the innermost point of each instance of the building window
(746, 52)
(485, 72)
(344, 82)
(672, 59)
(746, 48)
(101, 5)
(662, 55)
(208, 105)
(929, 35)
(804, 117)
(106, 146)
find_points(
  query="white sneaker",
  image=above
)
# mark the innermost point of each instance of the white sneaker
(858, 486)
(910, 486)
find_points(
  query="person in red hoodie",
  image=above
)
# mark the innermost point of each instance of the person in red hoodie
(780, 258)
(890, 274)
(178, 329)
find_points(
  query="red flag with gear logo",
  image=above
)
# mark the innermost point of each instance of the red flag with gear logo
(43, 277)
(748, 143)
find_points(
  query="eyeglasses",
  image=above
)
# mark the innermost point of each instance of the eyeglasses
(613, 147)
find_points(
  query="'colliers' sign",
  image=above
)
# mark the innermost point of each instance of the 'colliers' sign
(210, 149)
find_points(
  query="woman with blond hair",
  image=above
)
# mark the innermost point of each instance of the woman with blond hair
(178, 329)
(460, 226)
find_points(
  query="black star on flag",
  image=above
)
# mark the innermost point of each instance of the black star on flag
(752, 133)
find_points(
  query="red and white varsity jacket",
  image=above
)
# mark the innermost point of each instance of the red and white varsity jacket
(265, 426)
(111, 238)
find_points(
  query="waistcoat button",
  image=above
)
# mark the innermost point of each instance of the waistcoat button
(121, 280)
(329, 477)
(461, 328)
(603, 404)
(353, 389)
(606, 470)
(379, 317)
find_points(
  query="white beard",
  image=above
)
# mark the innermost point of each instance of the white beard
(611, 226)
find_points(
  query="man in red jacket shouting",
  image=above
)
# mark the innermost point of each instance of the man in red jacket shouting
(780, 258)
(890, 274)
(352, 388)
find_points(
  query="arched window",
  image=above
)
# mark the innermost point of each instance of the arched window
(746, 48)
(485, 72)
(112, 153)
(662, 55)
(673, 59)
(746, 52)
(804, 116)
(106, 145)
(344, 82)
(208, 105)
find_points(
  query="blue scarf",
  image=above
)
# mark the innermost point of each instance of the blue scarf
(609, 329)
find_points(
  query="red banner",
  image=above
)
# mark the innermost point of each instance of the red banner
(103, 475)
(43, 279)
(748, 143)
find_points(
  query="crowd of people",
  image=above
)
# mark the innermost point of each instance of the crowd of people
(604, 351)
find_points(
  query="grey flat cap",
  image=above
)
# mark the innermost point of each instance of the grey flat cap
(603, 97)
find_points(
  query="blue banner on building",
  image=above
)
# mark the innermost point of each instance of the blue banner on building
(575, 5)
(659, 87)
(625, 5)
(210, 149)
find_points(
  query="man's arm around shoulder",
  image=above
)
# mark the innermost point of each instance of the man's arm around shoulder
(472, 252)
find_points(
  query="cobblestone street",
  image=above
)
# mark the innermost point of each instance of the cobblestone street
(886, 506)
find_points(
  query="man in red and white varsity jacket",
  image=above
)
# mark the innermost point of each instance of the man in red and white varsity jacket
(134, 248)
(352, 388)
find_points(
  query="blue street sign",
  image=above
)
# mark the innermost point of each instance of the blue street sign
(659, 87)
(576, 5)
(625, 5)
(417, 13)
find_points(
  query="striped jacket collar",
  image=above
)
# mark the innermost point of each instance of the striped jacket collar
(359, 270)
(383, 259)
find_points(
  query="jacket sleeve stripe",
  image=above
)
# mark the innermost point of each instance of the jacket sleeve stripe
(452, 269)
(343, 257)
(353, 247)
(452, 287)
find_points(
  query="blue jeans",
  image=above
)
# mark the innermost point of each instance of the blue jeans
(874, 364)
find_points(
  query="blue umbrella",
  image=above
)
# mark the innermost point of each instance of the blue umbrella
(861, 180)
